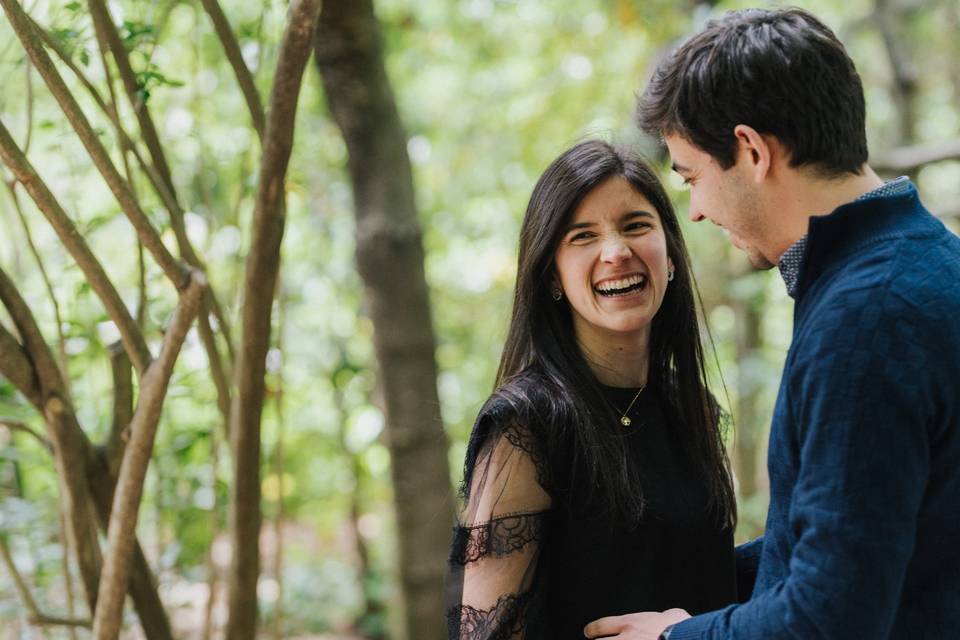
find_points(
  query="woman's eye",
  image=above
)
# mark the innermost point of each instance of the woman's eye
(583, 235)
(636, 226)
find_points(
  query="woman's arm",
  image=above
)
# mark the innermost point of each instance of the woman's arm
(496, 543)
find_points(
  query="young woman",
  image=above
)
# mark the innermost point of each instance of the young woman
(595, 481)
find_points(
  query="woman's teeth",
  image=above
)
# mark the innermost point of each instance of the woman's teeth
(622, 286)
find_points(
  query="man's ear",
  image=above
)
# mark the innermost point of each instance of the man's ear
(755, 150)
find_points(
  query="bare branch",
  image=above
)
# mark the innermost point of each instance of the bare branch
(220, 378)
(80, 468)
(122, 407)
(51, 621)
(16, 367)
(22, 26)
(33, 614)
(263, 265)
(173, 207)
(132, 338)
(218, 368)
(35, 347)
(143, 589)
(30, 103)
(232, 50)
(160, 177)
(61, 341)
(126, 143)
(911, 158)
(64, 432)
(107, 34)
(133, 468)
(16, 425)
(68, 552)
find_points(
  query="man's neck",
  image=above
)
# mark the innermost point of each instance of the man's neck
(808, 195)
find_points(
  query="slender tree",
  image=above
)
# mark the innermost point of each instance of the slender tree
(262, 267)
(390, 259)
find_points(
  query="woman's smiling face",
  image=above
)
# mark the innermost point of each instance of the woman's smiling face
(612, 262)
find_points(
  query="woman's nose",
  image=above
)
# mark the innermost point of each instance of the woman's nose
(614, 250)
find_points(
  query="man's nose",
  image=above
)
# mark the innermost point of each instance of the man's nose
(696, 216)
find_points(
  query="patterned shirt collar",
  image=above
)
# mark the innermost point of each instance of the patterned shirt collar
(792, 258)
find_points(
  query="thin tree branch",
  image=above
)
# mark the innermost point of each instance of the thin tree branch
(33, 614)
(143, 589)
(213, 524)
(107, 33)
(84, 475)
(35, 347)
(126, 143)
(133, 468)
(22, 26)
(218, 368)
(263, 265)
(68, 552)
(16, 367)
(41, 620)
(30, 104)
(130, 333)
(16, 425)
(232, 50)
(913, 157)
(122, 407)
(64, 432)
(176, 213)
(221, 380)
(61, 341)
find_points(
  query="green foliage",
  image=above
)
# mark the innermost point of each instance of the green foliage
(490, 92)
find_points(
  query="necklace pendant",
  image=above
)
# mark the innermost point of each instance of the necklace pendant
(625, 421)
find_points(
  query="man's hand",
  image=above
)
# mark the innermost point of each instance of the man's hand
(635, 626)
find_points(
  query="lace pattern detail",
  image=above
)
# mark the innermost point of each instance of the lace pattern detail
(524, 440)
(499, 537)
(500, 622)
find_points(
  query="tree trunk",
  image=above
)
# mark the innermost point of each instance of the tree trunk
(390, 259)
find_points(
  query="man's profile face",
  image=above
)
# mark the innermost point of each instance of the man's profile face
(725, 197)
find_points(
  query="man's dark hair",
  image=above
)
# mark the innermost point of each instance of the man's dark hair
(782, 72)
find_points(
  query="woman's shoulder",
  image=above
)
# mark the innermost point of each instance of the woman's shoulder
(525, 401)
(518, 412)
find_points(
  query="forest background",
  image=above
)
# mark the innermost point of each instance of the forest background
(177, 382)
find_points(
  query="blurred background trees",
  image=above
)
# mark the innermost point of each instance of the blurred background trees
(420, 130)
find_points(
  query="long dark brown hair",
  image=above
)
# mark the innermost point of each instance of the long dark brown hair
(541, 346)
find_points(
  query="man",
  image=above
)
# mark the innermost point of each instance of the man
(763, 115)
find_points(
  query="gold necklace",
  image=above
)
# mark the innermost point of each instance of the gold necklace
(624, 420)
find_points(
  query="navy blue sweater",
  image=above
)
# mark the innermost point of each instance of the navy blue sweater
(863, 533)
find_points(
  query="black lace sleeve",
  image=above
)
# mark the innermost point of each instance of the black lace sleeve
(493, 563)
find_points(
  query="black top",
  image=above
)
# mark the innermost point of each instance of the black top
(534, 558)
